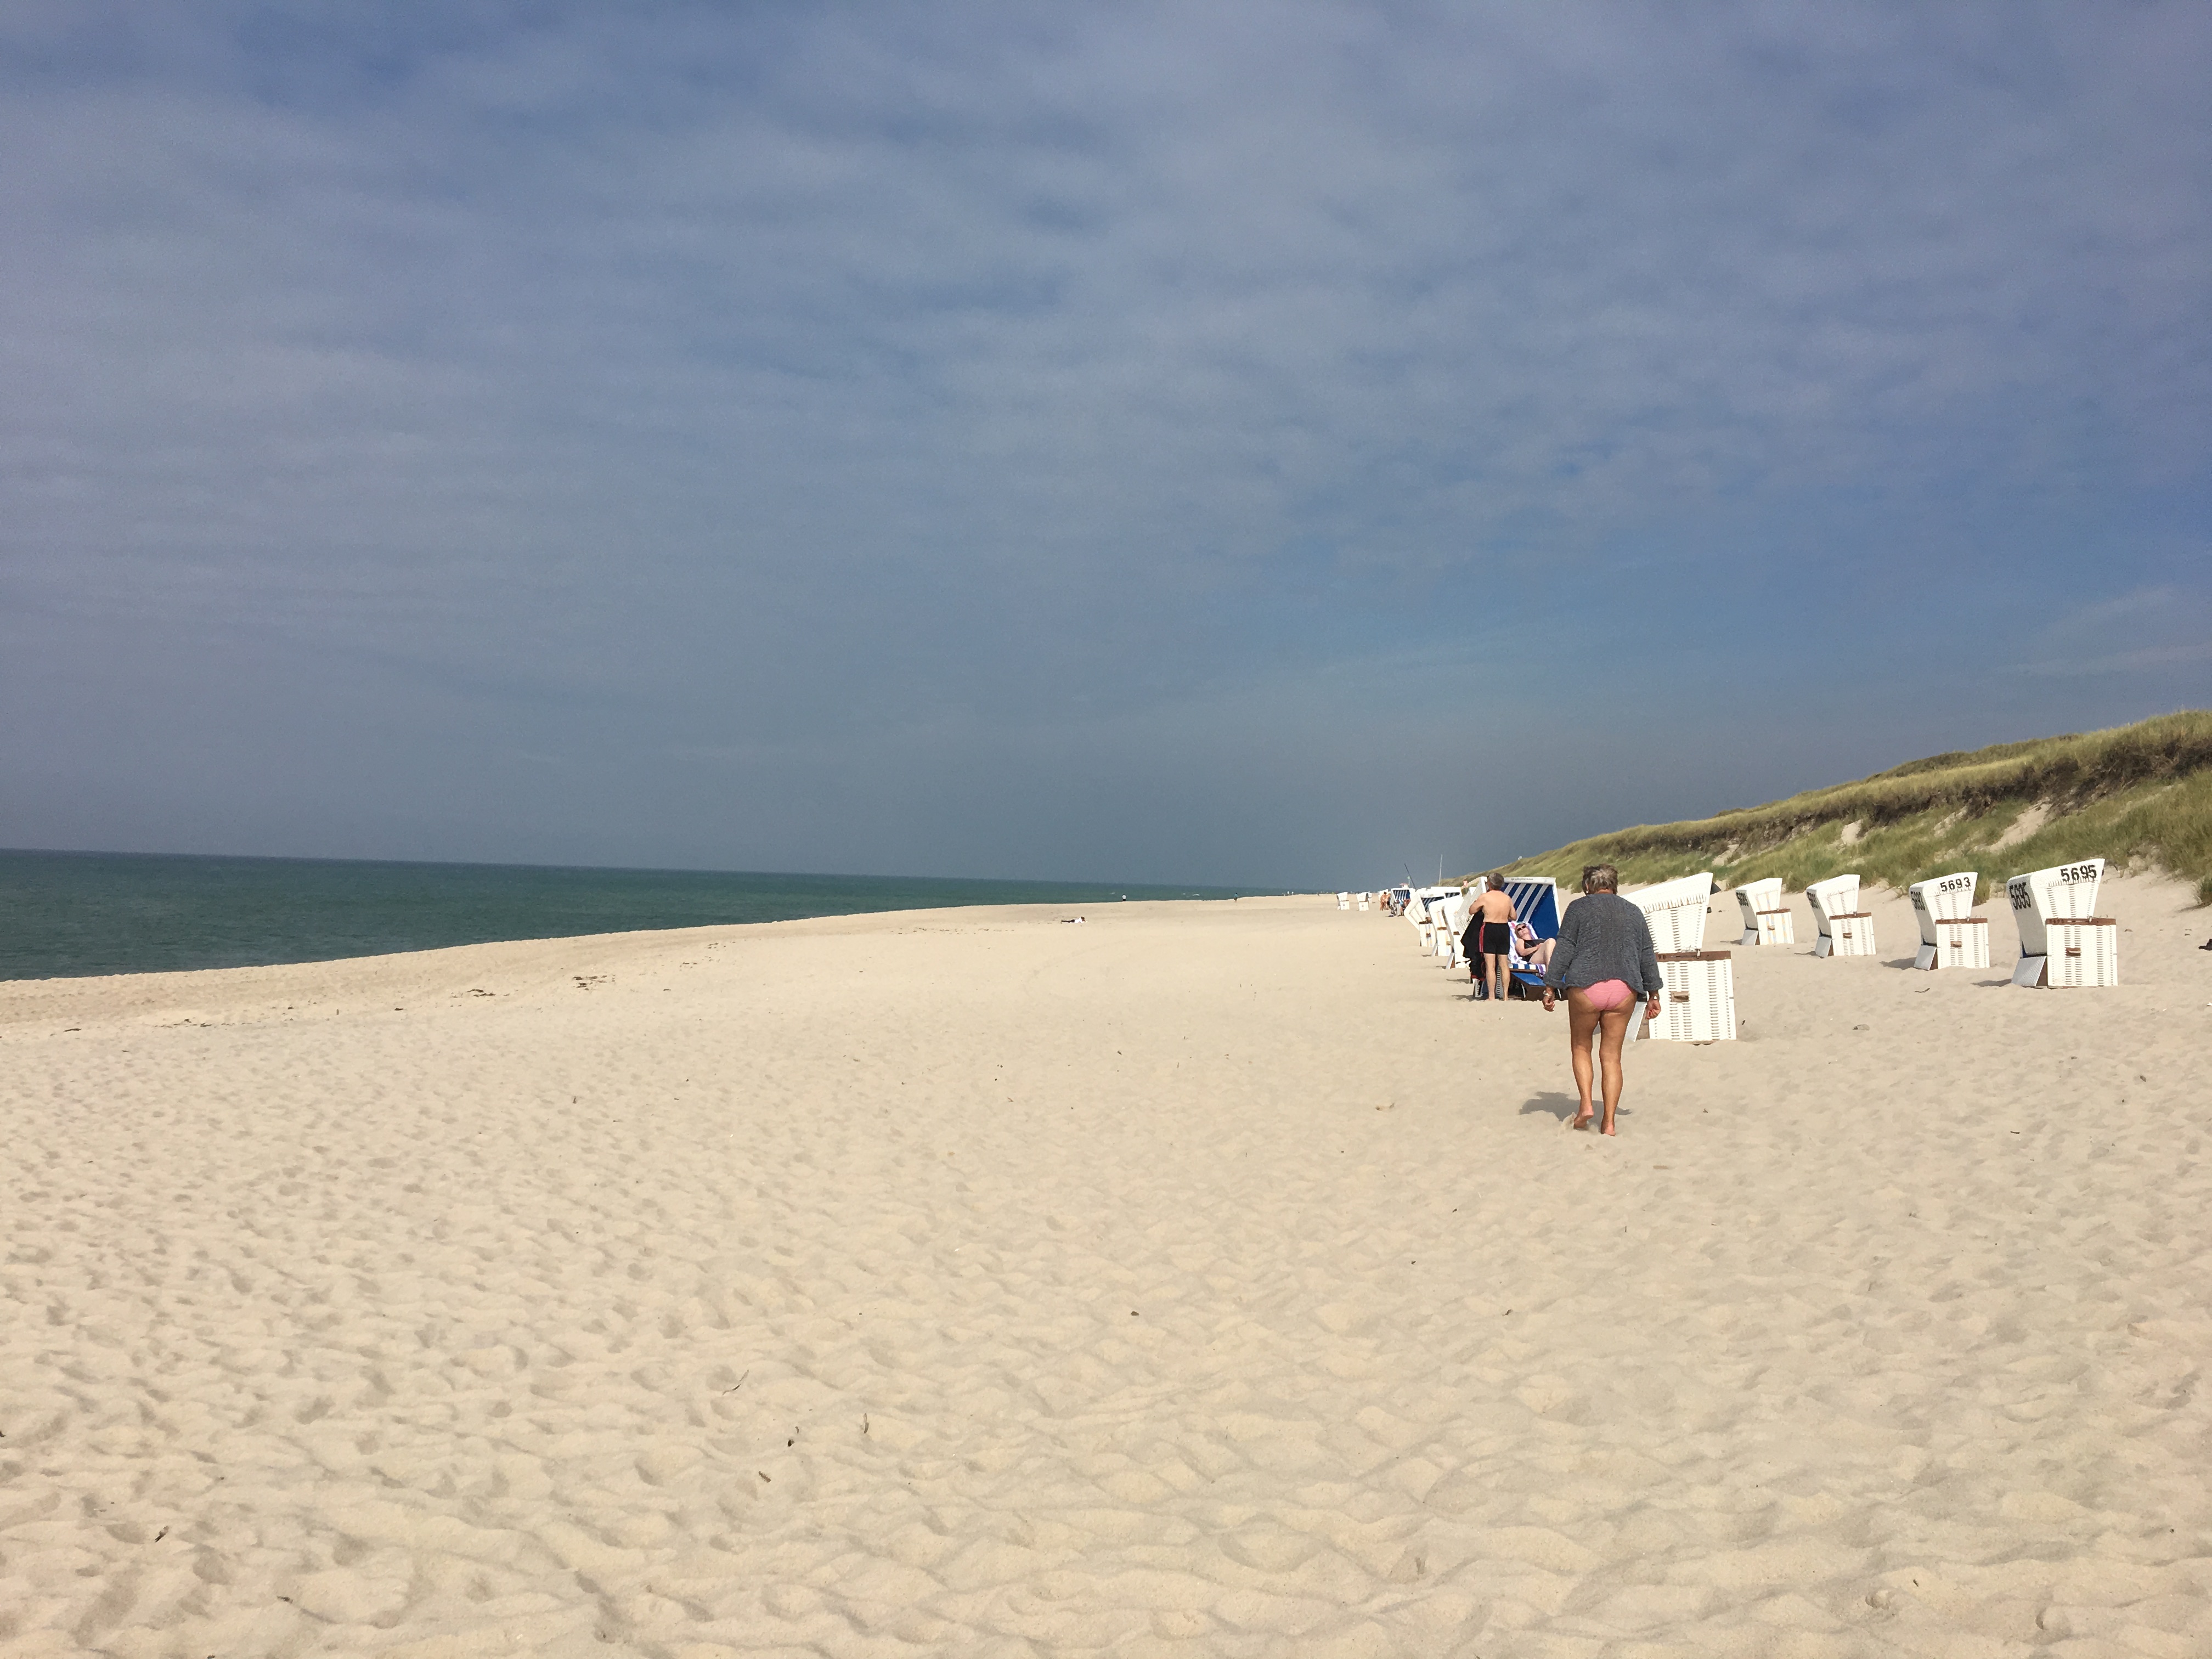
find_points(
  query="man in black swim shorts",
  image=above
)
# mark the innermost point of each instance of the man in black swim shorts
(1492, 925)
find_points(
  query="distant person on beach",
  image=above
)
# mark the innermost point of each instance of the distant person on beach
(1603, 959)
(1492, 924)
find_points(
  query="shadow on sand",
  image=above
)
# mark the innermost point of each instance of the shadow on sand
(1560, 1106)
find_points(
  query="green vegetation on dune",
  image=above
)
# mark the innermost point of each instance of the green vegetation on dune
(2136, 794)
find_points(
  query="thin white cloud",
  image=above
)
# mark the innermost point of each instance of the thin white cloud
(2137, 661)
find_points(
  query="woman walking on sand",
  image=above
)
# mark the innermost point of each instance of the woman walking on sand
(1604, 961)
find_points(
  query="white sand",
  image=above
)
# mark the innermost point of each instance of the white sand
(1208, 1279)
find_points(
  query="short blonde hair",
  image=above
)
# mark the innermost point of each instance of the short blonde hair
(1600, 878)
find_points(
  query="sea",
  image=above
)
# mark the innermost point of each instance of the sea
(63, 914)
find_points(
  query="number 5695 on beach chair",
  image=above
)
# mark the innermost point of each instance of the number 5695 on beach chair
(2060, 942)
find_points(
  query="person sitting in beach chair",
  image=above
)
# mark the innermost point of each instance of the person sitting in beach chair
(1530, 954)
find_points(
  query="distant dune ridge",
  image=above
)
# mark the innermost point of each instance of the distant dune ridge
(2137, 795)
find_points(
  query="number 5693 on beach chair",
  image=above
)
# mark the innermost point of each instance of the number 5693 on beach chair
(1951, 934)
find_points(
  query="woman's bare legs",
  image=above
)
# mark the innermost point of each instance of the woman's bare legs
(1609, 1028)
(1615, 1028)
(1581, 1020)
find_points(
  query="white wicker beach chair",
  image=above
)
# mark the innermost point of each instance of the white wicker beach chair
(1766, 918)
(1676, 910)
(1699, 1004)
(1429, 902)
(2061, 942)
(1844, 929)
(1951, 934)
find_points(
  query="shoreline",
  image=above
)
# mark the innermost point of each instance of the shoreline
(89, 916)
(440, 969)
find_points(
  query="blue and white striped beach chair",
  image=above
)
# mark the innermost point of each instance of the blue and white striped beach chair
(1535, 901)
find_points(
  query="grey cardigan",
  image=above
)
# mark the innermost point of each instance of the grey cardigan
(1603, 936)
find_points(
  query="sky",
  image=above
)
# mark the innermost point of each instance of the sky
(1266, 444)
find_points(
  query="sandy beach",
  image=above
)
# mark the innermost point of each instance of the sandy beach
(1206, 1279)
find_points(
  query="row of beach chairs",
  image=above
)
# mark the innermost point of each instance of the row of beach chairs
(2063, 942)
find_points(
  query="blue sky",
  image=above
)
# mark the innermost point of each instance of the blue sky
(1241, 443)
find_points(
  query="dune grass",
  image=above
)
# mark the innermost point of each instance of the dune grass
(2137, 794)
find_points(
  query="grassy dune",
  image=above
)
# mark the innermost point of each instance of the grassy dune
(2136, 794)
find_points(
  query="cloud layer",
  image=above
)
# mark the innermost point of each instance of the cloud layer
(1256, 443)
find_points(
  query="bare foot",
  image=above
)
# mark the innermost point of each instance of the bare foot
(1581, 1122)
(1607, 1130)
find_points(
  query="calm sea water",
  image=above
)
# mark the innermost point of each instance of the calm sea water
(63, 913)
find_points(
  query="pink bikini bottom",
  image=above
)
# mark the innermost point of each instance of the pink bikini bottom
(1608, 994)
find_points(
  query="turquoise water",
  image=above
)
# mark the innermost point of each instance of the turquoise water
(65, 913)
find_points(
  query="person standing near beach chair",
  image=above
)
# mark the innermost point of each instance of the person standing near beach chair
(1489, 930)
(1603, 960)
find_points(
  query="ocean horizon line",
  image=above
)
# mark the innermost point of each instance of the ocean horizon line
(74, 912)
(1243, 888)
